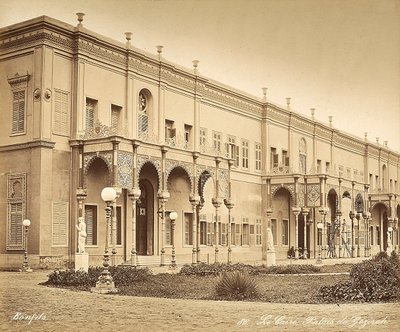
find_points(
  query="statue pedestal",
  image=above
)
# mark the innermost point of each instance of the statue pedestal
(271, 257)
(82, 262)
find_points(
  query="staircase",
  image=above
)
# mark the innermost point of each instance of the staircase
(151, 260)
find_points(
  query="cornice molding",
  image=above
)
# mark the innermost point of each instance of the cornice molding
(28, 145)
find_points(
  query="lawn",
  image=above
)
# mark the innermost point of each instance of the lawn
(273, 288)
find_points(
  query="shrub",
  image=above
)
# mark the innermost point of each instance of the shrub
(236, 285)
(377, 279)
(204, 269)
(122, 275)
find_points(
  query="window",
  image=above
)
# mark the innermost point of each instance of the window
(238, 241)
(18, 115)
(258, 232)
(19, 84)
(257, 148)
(91, 224)
(61, 118)
(223, 227)
(285, 232)
(170, 131)
(245, 232)
(115, 118)
(143, 113)
(245, 154)
(378, 236)
(327, 167)
(60, 224)
(285, 158)
(377, 182)
(371, 180)
(188, 135)
(232, 150)
(274, 158)
(119, 225)
(210, 233)
(91, 107)
(371, 235)
(233, 229)
(217, 141)
(188, 240)
(203, 137)
(16, 211)
(319, 166)
(303, 156)
(203, 229)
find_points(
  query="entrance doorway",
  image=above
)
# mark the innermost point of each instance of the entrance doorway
(144, 219)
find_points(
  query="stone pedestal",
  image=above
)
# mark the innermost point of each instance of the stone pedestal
(82, 262)
(271, 257)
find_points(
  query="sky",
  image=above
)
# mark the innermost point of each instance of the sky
(341, 57)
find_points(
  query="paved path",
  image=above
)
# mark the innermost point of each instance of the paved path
(64, 310)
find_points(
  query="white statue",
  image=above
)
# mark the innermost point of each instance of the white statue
(81, 227)
(270, 239)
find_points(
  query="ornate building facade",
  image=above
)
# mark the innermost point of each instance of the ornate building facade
(81, 112)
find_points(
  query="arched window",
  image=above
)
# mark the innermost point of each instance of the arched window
(303, 156)
(143, 112)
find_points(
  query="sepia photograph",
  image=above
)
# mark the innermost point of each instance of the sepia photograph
(200, 165)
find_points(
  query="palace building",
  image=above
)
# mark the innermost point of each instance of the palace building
(246, 177)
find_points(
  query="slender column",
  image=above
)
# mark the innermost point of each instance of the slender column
(115, 144)
(194, 200)
(390, 236)
(351, 216)
(199, 207)
(344, 231)
(339, 222)
(296, 212)
(134, 195)
(304, 212)
(217, 202)
(162, 199)
(173, 256)
(358, 217)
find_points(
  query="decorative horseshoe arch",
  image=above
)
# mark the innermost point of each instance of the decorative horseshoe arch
(141, 161)
(289, 188)
(172, 164)
(90, 158)
(202, 180)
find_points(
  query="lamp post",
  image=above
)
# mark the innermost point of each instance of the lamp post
(105, 284)
(351, 216)
(173, 216)
(229, 204)
(25, 264)
(320, 225)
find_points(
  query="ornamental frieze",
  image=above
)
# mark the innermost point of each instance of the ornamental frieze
(313, 195)
(125, 169)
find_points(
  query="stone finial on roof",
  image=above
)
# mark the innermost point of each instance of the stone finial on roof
(128, 36)
(330, 117)
(288, 99)
(159, 51)
(264, 90)
(312, 113)
(195, 65)
(80, 18)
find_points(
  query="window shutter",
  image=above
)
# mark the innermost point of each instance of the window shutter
(61, 123)
(60, 217)
(15, 230)
(18, 117)
(276, 160)
(287, 161)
